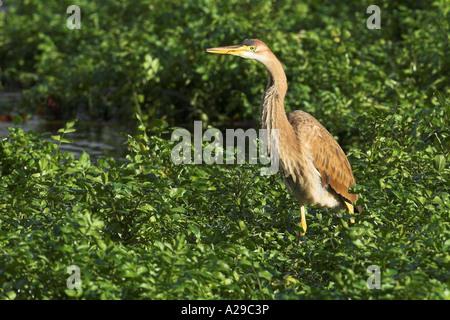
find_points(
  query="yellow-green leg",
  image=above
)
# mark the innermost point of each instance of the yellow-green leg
(303, 219)
(350, 210)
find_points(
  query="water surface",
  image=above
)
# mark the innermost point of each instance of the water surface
(97, 138)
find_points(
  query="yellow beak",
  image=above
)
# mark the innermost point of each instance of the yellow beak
(234, 50)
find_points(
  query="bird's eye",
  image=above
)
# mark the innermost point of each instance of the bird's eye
(253, 48)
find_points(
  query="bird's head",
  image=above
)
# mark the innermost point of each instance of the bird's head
(249, 49)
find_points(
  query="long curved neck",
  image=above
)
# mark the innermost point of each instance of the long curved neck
(273, 115)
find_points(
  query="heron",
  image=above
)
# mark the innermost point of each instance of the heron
(313, 166)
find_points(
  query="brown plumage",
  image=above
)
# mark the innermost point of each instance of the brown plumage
(329, 158)
(312, 164)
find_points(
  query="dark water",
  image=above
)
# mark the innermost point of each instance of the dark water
(97, 138)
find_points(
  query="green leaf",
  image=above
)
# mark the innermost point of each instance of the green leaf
(265, 274)
(195, 230)
(84, 159)
(439, 162)
(11, 295)
(70, 124)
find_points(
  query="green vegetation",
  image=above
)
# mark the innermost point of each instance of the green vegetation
(148, 228)
(152, 229)
(149, 56)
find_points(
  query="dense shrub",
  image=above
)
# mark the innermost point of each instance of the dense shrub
(149, 56)
(149, 228)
